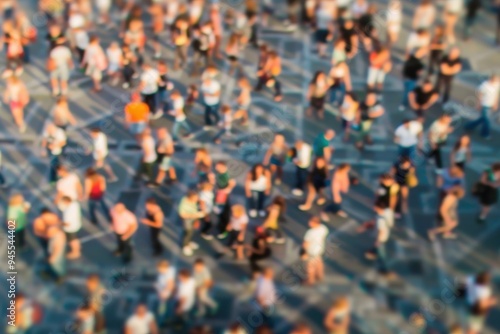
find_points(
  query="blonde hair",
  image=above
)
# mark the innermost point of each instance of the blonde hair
(238, 210)
(16, 199)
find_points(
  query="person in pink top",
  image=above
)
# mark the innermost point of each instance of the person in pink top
(124, 225)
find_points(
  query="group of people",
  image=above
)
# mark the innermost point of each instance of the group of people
(202, 35)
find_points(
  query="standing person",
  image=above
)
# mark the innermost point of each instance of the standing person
(211, 90)
(259, 249)
(42, 224)
(338, 318)
(275, 214)
(237, 228)
(350, 36)
(136, 116)
(180, 120)
(381, 225)
(348, 111)
(59, 65)
(61, 115)
(95, 62)
(149, 81)
(207, 198)
(412, 69)
(276, 156)
(480, 300)
(488, 93)
(452, 11)
(448, 214)
(266, 294)
(165, 85)
(56, 249)
(72, 223)
(233, 48)
(154, 219)
(16, 95)
(400, 171)
(420, 38)
(324, 27)
(369, 110)
(69, 185)
(422, 98)
(186, 296)
(165, 287)
(149, 156)
(461, 153)
(124, 225)
(257, 187)
(339, 81)
(340, 185)
(302, 161)
(471, 9)
(488, 190)
(314, 248)
(224, 186)
(268, 74)
(316, 94)
(318, 177)
(100, 152)
(204, 282)
(424, 15)
(53, 143)
(17, 211)
(165, 150)
(394, 17)
(322, 147)
(243, 101)
(225, 124)
(95, 188)
(438, 45)
(380, 64)
(388, 194)
(409, 137)
(450, 65)
(180, 37)
(437, 135)
(95, 295)
(190, 214)
(203, 166)
(141, 322)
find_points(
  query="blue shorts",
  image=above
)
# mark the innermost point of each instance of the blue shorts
(137, 128)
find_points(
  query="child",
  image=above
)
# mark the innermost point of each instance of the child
(207, 198)
(225, 123)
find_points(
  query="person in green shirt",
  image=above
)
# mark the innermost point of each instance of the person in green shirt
(321, 145)
(16, 212)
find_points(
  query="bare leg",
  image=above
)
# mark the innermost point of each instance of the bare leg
(311, 194)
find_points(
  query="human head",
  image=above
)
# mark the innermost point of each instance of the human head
(151, 204)
(314, 221)
(94, 132)
(454, 53)
(192, 196)
(329, 134)
(221, 167)
(119, 208)
(238, 210)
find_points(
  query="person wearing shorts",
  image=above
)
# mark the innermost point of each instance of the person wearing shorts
(136, 115)
(59, 65)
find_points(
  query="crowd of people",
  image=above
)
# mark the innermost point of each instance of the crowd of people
(203, 35)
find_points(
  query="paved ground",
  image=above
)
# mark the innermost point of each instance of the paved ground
(427, 271)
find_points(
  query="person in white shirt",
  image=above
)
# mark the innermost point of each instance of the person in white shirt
(59, 65)
(72, 223)
(237, 227)
(438, 133)
(480, 299)
(68, 185)
(302, 161)
(149, 156)
(141, 322)
(100, 152)
(149, 81)
(409, 136)
(204, 283)
(314, 248)
(165, 285)
(211, 91)
(53, 142)
(177, 102)
(487, 95)
(265, 292)
(186, 295)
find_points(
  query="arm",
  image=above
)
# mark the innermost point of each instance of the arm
(88, 186)
(267, 157)
(445, 210)
(153, 328)
(269, 182)
(439, 181)
(337, 198)
(431, 101)
(248, 192)
(347, 78)
(413, 101)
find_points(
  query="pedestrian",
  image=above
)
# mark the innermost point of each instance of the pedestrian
(165, 288)
(313, 250)
(379, 65)
(369, 110)
(149, 82)
(338, 318)
(449, 67)
(401, 171)
(387, 194)
(275, 157)
(56, 249)
(437, 135)
(480, 300)
(17, 97)
(317, 182)
(156, 11)
(237, 229)
(422, 98)
(17, 211)
(322, 147)
(421, 38)
(45, 220)
(211, 91)
(185, 296)
(340, 82)
(258, 250)
(165, 86)
(471, 9)
(95, 295)
(275, 215)
(149, 157)
(232, 50)
(340, 185)
(181, 41)
(124, 225)
(95, 188)
(394, 17)
(437, 46)
(53, 143)
(116, 62)
(412, 68)
(349, 35)
(257, 188)
(487, 95)
(461, 153)
(85, 319)
(180, 119)
(409, 137)
(154, 219)
(302, 156)
(225, 124)
(136, 116)
(348, 111)
(316, 94)
(486, 190)
(128, 70)
(95, 62)
(448, 214)
(190, 215)
(203, 166)
(61, 115)
(204, 283)
(424, 15)
(25, 311)
(141, 322)
(324, 27)
(100, 152)
(59, 65)
(224, 185)
(72, 224)
(68, 185)
(243, 101)
(266, 295)
(165, 151)
(207, 199)
(268, 74)
(452, 11)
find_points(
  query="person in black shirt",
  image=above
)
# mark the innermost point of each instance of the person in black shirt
(412, 69)
(349, 35)
(154, 219)
(259, 250)
(400, 171)
(422, 98)
(470, 16)
(449, 66)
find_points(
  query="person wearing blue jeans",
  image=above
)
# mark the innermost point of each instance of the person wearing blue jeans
(487, 94)
(178, 124)
(211, 111)
(483, 120)
(211, 90)
(94, 204)
(337, 93)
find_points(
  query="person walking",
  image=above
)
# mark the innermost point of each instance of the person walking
(461, 153)
(211, 91)
(486, 190)
(124, 225)
(340, 185)
(100, 152)
(190, 214)
(165, 151)
(165, 288)
(56, 249)
(204, 282)
(149, 157)
(17, 97)
(409, 137)
(95, 188)
(338, 317)
(154, 219)
(412, 68)
(449, 67)
(488, 93)
(302, 161)
(258, 250)
(369, 110)
(316, 184)
(480, 300)
(17, 211)
(180, 119)
(257, 187)
(59, 65)
(314, 248)
(95, 62)
(276, 156)
(422, 98)
(72, 224)
(448, 214)
(149, 82)
(437, 135)
(136, 116)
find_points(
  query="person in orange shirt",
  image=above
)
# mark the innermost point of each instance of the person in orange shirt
(136, 115)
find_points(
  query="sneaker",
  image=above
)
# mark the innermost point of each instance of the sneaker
(342, 214)
(222, 235)
(297, 192)
(193, 245)
(262, 213)
(280, 241)
(157, 114)
(207, 236)
(401, 108)
(187, 251)
(253, 213)
(125, 85)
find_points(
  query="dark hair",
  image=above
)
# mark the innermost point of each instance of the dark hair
(483, 278)
(45, 210)
(184, 272)
(90, 172)
(380, 203)
(314, 80)
(151, 200)
(95, 130)
(254, 171)
(199, 261)
(191, 193)
(458, 143)
(281, 202)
